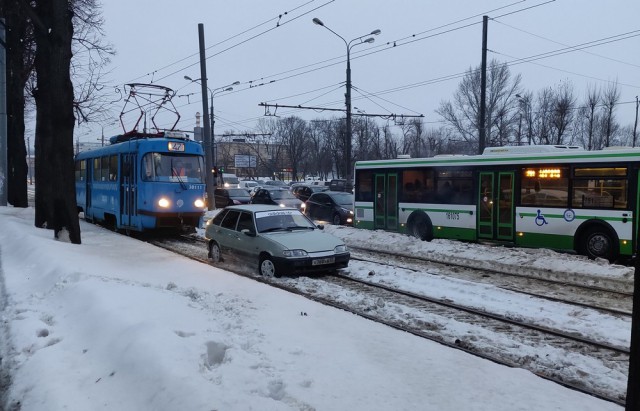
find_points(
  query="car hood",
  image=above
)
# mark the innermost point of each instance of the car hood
(310, 241)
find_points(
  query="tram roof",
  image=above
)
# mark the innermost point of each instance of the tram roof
(543, 154)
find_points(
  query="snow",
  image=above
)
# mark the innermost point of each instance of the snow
(118, 324)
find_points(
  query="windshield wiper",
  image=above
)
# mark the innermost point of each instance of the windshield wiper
(268, 230)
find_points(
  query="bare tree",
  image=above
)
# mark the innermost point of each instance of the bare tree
(563, 112)
(463, 114)
(20, 59)
(592, 100)
(56, 206)
(294, 135)
(610, 99)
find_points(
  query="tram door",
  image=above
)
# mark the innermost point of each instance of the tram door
(385, 211)
(495, 206)
(128, 192)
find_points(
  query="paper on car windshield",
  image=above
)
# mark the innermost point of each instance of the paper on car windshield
(274, 213)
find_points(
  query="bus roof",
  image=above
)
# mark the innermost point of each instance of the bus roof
(494, 156)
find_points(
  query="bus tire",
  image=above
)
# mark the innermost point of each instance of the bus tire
(599, 242)
(419, 225)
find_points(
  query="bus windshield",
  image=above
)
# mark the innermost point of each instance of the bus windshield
(173, 167)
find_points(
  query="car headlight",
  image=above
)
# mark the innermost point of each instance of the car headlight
(199, 203)
(163, 202)
(340, 249)
(303, 205)
(282, 205)
(295, 253)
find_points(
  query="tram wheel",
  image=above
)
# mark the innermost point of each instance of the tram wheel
(598, 242)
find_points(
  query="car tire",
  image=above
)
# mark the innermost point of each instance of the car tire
(214, 252)
(267, 268)
(336, 220)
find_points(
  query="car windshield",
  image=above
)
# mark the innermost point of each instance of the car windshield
(281, 195)
(282, 220)
(344, 199)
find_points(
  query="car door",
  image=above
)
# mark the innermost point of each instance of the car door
(324, 207)
(226, 234)
(246, 246)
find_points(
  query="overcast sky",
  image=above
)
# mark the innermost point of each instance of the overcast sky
(279, 56)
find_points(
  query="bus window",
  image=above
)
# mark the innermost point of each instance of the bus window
(417, 186)
(545, 187)
(364, 181)
(599, 188)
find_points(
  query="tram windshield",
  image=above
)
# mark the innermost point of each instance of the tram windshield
(173, 167)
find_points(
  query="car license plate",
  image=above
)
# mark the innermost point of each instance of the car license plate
(321, 261)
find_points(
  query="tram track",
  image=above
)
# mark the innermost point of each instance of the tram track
(609, 300)
(427, 318)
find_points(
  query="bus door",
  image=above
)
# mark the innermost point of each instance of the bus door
(385, 210)
(128, 190)
(495, 206)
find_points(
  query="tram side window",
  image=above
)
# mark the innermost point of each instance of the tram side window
(81, 170)
(545, 187)
(97, 173)
(364, 185)
(113, 168)
(600, 188)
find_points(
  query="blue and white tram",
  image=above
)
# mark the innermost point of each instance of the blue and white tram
(143, 182)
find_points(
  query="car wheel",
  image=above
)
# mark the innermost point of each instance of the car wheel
(267, 268)
(336, 219)
(214, 252)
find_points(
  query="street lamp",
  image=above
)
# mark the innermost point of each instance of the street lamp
(348, 93)
(208, 137)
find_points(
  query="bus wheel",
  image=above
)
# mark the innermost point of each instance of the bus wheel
(598, 242)
(420, 227)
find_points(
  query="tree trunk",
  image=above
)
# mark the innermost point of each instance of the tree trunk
(16, 29)
(56, 206)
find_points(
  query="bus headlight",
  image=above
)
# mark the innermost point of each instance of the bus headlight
(199, 203)
(163, 202)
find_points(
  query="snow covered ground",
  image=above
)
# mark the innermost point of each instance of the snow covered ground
(117, 324)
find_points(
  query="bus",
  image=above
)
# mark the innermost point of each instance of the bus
(549, 196)
(143, 182)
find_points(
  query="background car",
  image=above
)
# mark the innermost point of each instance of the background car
(335, 207)
(248, 184)
(230, 196)
(280, 241)
(275, 184)
(276, 196)
(304, 191)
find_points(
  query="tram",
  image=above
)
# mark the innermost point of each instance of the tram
(143, 182)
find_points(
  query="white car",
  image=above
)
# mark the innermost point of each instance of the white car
(279, 241)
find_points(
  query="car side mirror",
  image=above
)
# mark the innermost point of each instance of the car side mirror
(320, 226)
(248, 232)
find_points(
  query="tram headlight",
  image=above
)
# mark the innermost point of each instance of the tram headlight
(199, 203)
(163, 202)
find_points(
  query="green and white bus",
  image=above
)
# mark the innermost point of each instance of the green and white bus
(559, 197)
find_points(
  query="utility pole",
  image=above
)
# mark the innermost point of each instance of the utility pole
(635, 125)
(207, 138)
(483, 87)
(4, 169)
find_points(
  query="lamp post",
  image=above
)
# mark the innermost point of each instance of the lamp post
(208, 136)
(350, 44)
